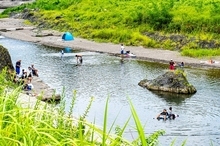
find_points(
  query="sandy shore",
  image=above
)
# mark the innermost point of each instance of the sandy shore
(14, 28)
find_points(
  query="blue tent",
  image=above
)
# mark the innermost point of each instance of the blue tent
(67, 36)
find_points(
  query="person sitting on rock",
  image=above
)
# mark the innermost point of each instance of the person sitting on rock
(30, 74)
(17, 80)
(28, 87)
(23, 74)
(34, 70)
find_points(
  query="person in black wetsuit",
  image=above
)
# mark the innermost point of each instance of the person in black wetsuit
(164, 114)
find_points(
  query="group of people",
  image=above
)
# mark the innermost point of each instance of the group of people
(126, 53)
(173, 64)
(25, 77)
(165, 115)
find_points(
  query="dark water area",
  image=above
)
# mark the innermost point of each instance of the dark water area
(102, 76)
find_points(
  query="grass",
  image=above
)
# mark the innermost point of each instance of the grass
(201, 53)
(49, 124)
(128, 21)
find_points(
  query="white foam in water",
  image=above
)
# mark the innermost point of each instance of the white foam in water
(2, 37)
(71, 54)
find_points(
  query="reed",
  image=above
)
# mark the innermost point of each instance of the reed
(49, 124)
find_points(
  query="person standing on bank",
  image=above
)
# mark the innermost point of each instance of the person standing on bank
(18, 66)
(122, 52)
(122, 49)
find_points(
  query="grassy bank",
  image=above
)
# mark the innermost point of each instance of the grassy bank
(173, 24)
(48, 124)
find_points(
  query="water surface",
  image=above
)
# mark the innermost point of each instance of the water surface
(102, 76)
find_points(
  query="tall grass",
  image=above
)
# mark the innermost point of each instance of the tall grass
(49, 124)
(201, 53)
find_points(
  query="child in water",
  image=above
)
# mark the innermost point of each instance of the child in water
(79, 59)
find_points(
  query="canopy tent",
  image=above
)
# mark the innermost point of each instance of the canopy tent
(67, 36)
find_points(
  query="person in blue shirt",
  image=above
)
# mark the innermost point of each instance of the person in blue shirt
(17, 67)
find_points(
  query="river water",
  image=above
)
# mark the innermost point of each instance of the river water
(102, 76)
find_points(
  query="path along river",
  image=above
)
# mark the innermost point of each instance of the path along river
(101, 76)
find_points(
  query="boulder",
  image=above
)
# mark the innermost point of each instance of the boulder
(50, 99)
(171, 81)
(5, 59)
(12, 3)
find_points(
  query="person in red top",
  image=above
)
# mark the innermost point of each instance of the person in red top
(171, 65)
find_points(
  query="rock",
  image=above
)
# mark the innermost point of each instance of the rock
(44, 35)
(50, 99)
(44, 93)
(171, 81)
(5, 59)
(3, 30)
(12, 3)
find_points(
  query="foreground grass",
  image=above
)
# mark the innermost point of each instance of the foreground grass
(45, 124)
(128, 22)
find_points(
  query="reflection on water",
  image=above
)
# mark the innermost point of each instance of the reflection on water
(213, 74)
(172, 98)
(102, 75)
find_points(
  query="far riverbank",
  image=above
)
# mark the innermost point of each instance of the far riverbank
(15, 28)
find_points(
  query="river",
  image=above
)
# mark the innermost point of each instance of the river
(102, 76)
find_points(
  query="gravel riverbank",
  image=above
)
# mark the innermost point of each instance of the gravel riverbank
(14, 28)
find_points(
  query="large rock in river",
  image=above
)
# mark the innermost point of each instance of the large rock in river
(5, 59)
(171, 81)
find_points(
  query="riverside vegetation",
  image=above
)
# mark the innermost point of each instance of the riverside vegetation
(48, 124)
(191, 27)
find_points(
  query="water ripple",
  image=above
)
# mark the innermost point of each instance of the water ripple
(103, 76)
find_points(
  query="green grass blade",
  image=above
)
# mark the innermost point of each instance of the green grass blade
(138, 124)
(105, 123)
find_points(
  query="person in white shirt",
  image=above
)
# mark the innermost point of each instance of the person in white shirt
(30, 74)
(122, 49)
(79, 59)
(62, 53)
